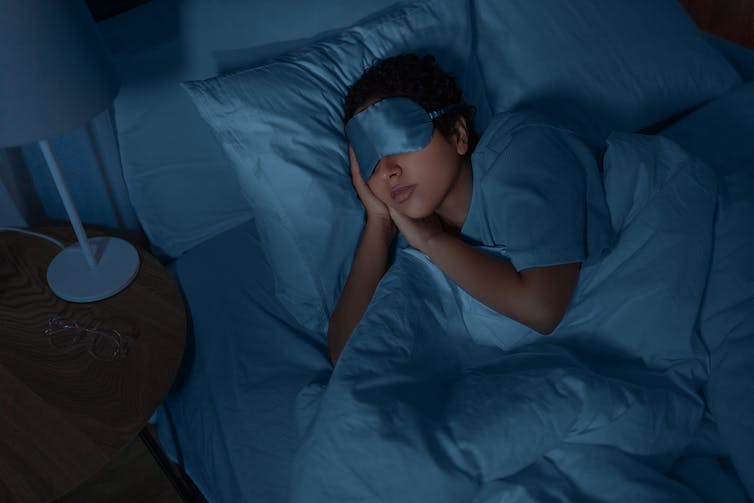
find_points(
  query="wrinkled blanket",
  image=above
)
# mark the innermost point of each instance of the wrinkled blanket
(438, 398)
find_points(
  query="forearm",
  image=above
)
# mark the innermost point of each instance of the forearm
(532, 297)
(367, 269)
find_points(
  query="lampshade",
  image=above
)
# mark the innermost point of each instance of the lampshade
(55, 72)
(55, 75)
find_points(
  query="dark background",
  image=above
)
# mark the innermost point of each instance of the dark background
(103, 9)
(732, 19)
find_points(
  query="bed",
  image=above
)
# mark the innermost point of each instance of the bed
(229, 132)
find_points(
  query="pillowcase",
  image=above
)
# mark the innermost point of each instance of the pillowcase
(740, 57)
(601, 65)
(180, 183)
(281, 127)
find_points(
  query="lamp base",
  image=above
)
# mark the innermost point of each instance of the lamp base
(71, 278)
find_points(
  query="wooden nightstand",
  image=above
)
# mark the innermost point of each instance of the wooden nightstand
(63, 412)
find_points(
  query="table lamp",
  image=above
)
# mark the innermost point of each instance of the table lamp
(55, 75)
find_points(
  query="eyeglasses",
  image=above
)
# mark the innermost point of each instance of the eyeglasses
(103, 343)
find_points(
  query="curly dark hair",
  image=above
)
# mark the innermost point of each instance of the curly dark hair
(420, 79)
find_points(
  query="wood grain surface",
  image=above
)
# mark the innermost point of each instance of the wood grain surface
(64, 413)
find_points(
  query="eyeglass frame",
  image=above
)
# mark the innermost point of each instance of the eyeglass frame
(59, 324)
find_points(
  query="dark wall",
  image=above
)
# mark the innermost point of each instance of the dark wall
(731, 19)
(103, 9)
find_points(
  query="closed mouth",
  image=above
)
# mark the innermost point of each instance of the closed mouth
(400, 194)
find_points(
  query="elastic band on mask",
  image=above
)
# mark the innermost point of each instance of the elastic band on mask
(434, 114)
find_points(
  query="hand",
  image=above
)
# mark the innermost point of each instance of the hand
(375, 208)
(418, 231)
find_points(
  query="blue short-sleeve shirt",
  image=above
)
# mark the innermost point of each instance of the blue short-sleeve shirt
(537, 195)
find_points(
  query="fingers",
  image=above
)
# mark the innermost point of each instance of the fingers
(355, 168)
(356, 178)
(372, 204)
(397, 217)
(352, 156)
(358, 181)
(404, 225)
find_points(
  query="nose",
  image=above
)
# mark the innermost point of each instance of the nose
(390, 168)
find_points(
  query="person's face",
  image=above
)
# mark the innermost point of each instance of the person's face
(418, 182)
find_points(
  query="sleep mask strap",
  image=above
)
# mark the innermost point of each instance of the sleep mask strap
(434, 114)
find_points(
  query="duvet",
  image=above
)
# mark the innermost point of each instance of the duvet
(438, 398)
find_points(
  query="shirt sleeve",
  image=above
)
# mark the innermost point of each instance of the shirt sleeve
(534, 197)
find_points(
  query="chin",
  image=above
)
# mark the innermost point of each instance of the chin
(416, 211)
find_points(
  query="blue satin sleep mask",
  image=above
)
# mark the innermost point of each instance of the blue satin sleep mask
(390, 126)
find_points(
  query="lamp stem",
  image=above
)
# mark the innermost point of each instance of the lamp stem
(73, 215)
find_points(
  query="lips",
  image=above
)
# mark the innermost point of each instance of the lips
(401, 194)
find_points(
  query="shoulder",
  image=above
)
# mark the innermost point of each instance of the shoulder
(528, 137)
(526, 129)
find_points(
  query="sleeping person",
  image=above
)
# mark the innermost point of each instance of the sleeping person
(510, 217)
